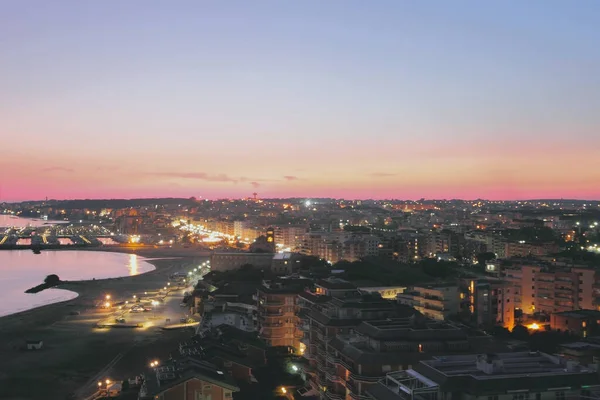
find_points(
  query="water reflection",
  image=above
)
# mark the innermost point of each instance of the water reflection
(133, 264)
(21, 270)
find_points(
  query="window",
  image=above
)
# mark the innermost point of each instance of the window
(228, 395)
(560, 395)
(492, 397)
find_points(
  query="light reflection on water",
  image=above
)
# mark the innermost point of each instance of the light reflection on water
(21, 270)
(133, 264)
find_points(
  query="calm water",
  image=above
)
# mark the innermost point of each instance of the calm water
(12, 221)
(21, 270)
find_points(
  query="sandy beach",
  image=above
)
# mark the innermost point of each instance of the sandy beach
(76, 354)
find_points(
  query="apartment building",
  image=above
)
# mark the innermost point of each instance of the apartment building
(289, 236)
(434, 301)
(523, 249)
(277, 304)
(550, 287)
(336, 246)
(359, 359)
(502, 376)
(488, 302)
(324, 317)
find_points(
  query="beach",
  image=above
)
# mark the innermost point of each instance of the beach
(75, 354)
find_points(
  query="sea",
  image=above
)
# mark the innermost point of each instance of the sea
(22, 269)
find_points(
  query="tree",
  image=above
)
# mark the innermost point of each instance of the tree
(482, 258)
(52, 280)
(520, 332)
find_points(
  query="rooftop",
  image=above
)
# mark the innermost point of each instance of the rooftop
(579, 314)
(501, 365)
(283, 256)
(335, 284)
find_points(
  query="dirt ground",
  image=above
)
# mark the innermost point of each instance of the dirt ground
(75, 354)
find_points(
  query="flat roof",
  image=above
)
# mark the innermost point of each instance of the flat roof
(510, 364)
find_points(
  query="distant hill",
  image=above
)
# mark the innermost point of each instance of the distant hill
(114, 203)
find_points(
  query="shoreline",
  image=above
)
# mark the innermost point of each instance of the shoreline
(74, 349)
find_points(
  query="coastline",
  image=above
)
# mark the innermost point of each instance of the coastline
(74, 351)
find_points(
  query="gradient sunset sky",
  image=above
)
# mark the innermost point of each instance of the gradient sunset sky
(307, 98)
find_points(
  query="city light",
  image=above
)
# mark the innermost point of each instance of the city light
(283, 390)
(533, 326)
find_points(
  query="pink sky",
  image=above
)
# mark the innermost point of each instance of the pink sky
(505, 173)
(346, 99)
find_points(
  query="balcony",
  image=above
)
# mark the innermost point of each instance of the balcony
(332, 377)
(365, 378)
(271, 313)
(332, 396)
(304, 327)
(271, 302)
(338, 361)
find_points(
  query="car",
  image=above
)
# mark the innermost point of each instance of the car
(120, 320)
(182, 305)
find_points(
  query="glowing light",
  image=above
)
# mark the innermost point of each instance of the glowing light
(533, 326)
(133, 264)
(283, 390)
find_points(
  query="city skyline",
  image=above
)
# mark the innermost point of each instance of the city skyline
(306, 99)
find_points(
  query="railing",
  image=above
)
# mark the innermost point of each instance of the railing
(277, 313)
(332, 377)
(304, 327)
(365, 378)
(333, 396)
(271, 302)
(338, 361)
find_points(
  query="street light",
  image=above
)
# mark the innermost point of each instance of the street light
(108, 297)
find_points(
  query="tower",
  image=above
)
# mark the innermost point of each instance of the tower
(254, 194)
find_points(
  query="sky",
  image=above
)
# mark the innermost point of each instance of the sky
(338, 98)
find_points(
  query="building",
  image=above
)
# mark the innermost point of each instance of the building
(578, 322)
(434, 301)
(324, 316)
(277, 307)
(386, 292)
(359, 359)
(503, 376)
(235, 351)
(229, 261)
(549, 287)
(289, 236)
(187, 379)
(487, 302)
(283, 263)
